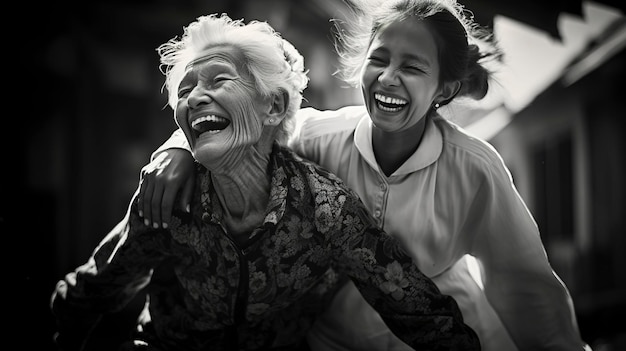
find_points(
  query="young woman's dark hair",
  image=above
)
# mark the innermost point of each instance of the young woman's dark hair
(465, 48)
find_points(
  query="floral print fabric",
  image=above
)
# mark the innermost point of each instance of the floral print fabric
(206, 292)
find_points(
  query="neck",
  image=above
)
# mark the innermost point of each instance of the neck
(392, 149)
(243, 190)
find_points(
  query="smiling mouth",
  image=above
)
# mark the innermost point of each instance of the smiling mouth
(209, 124)
(389, 104)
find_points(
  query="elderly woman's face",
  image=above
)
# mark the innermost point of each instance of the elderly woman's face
(218, 108)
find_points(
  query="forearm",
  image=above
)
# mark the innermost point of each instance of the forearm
(411, 305)
(428, 320)
(538, 317)
(533, 304)
(73, 325)
(104, 284)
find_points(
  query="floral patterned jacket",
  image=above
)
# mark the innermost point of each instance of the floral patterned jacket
(205, 292)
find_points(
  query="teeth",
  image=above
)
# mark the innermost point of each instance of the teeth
(388, 109)
(210, 118)
(390, 100)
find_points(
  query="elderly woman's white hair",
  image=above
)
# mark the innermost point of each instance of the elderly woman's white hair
(274, 64)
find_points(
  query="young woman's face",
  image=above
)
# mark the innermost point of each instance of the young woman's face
(218, 108)
(400, 75)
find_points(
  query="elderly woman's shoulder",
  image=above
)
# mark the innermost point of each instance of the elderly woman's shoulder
(320, 178)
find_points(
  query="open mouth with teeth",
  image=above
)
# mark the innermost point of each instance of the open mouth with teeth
(389, 104)
(209, 124)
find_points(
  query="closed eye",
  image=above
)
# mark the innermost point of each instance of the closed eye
(223, 78)
(182, 92)
(415, 69)
(376, 60)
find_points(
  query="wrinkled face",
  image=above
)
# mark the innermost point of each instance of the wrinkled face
(218, 108)
(399, 78)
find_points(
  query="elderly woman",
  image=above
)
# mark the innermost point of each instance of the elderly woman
(268, 236)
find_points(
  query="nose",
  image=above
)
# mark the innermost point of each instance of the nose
(198, 96)
(389, 76)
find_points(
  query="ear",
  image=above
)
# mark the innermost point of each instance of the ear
(448, 92)
(278, 108)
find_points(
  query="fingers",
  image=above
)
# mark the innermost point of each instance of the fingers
(167, 205)
(186, 193)
(141, 194)
(151, 191)
(169, 198)
(145, 199)
(157, 196)
(168, 174)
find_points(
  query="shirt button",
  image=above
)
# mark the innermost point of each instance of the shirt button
(377, 214)
(383, 186)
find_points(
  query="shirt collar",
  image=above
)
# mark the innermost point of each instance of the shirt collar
(427, 153)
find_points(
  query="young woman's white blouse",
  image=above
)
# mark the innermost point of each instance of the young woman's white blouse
(454, 206)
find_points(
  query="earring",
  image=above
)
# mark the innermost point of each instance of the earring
(436, 105)
(271, 121)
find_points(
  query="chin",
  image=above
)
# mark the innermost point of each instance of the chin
(206, 160)
(208, 154)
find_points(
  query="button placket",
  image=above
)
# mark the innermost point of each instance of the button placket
(381, 199)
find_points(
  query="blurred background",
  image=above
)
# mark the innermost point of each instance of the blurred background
(95, 110)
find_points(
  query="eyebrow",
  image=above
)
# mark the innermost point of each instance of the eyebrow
(204, 58)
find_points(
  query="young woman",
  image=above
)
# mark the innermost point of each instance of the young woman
(269, 236)
(446, 195)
